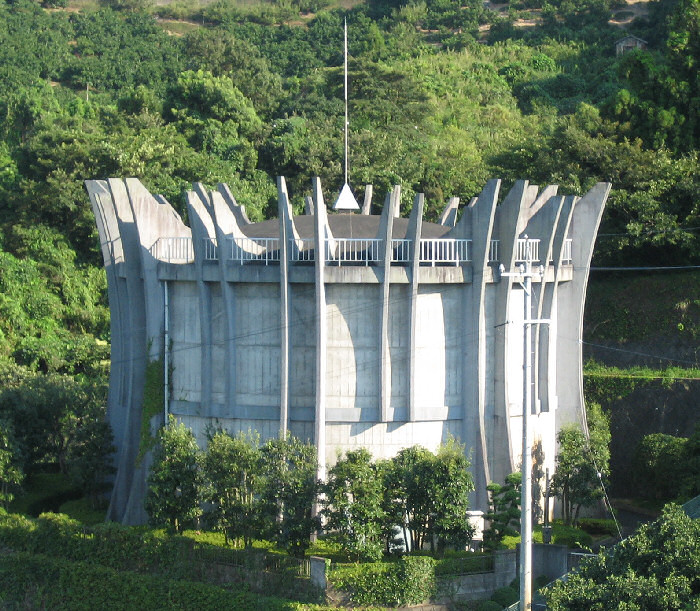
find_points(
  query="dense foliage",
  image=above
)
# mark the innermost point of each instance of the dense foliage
(443, 95)
(582, 463)
(657, 568)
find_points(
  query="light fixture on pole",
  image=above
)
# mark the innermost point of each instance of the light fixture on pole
(525, 274)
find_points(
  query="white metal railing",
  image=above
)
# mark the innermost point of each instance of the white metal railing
(173, 250)
(355, 250)
(521, 250)
(347, 250)
(444, 250)
(211, 250)
(493, 251)
(254, 249)
(567, 257)
(304, 250)
(400, 250)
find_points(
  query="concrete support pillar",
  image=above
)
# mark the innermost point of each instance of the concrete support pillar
(224, 226)
(367, 203)
(203, 236)
(448, 217)
(285, 220)
(415, 225)
(321, 236)
(476, 224)
(386, 226)
(507, 222)
(571, 301)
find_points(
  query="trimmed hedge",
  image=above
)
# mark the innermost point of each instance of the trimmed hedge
(154, 552)
(408, 581)
(43, 582)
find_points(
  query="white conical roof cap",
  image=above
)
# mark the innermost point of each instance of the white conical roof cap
(346, 200)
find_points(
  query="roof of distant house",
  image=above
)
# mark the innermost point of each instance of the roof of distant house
(692, 507)
(633, 37)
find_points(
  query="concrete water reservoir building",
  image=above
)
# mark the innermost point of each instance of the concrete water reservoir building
(345, 329)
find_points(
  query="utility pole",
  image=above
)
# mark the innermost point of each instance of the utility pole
(526, 274)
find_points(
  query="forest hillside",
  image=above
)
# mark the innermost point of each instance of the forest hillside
(444, 94)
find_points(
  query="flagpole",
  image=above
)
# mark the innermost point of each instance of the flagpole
(347, 123)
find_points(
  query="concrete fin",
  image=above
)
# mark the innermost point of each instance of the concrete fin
(237, 209)
(449, 214)
(367, 203)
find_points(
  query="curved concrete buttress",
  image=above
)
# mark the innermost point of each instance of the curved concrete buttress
(546, 375)
(135, 357)
(118, 398)
(542, 226)
(151, 221)
(571, 301)
(367, 202)
(288, 242)
(476, 223)
(237, 209)
(203, 234)
(321, 235)
(386, 227)
(415, 224)
(448, 218)
(225, 225)
(511, 215)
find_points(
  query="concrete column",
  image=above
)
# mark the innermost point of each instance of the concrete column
(448, 217)
(386, 226)
(476, 224)
(224, 223)
(121, 370)
(571, 301)
(367, 203)
(152, 220)
(415, 225)
(507, 222)
(238, 211)
(545, 380)
(202, 232)
(285, 218)
(321, 234)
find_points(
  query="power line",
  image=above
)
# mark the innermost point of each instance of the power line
(653, 356)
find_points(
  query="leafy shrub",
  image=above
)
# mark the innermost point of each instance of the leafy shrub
(595, 526)
(505, 596)
(408, 581)
(488, 605)
(52, 583)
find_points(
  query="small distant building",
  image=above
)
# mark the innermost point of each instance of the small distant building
(628, 43)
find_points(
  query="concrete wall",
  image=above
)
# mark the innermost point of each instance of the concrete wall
(382, 356)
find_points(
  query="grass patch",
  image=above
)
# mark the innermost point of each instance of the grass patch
(561, 535)
(83, 511)
(43, 492)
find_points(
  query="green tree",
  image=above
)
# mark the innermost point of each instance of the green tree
(659, 466)
(691, 461)
(232, 474)
(582, 463)
(430, 493)
(409, 476)
(289, 493)
(90, 450)
(504, 512)
(174, 482)
(658, 568)
(451, 484)
(11, 474)
(353, 505)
